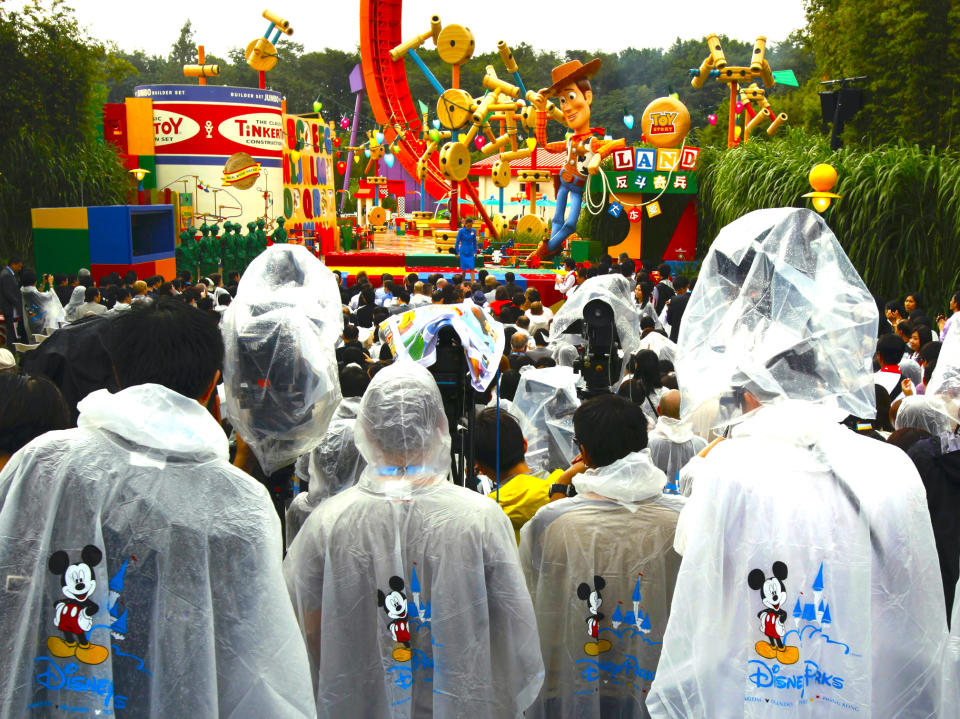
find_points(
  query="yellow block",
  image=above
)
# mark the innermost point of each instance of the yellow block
(139, 125)
(59, 218)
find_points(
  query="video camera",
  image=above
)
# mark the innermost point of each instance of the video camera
(600, 364)
(450, 373)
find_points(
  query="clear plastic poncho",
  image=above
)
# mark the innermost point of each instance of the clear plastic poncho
(71, 313)
(408, 588)
(547, 399)
(778, 311)
(602, 573)
(617, 292)
(43, 310)
(950, 703)
(329, 469)
(663, 346)
(945, 381)
(141, 572)
(810, 581)
(280, 366)
(672, 443)
(927, 412)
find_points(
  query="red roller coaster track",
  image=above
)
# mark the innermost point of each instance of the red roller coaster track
(387, 88)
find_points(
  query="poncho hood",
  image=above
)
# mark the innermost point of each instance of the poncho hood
(627, 481)
(156, 419)
(677, 431)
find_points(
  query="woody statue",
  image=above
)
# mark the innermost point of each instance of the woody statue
(585, 148)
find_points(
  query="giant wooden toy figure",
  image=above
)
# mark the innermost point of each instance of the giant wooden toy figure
(585, 148)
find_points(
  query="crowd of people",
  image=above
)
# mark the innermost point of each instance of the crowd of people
(203, 513)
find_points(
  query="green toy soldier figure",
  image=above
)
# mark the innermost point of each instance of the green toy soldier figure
(209, 250)
(261, 234)
(231, 248)
(251, 245)
(279, 235)
(184, 254)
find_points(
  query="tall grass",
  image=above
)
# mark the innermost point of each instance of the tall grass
(898, 220)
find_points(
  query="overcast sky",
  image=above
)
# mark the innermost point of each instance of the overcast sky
(558, 25)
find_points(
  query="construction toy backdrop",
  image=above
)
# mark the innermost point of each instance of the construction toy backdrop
(308, 175)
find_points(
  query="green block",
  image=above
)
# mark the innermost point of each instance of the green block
(445, 260)
(60, 250)
(346, 237)
(149, 162)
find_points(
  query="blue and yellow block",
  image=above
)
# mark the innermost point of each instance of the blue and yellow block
(113, 238)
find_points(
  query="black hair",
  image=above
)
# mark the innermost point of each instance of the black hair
(215, 277)
(90, 294)
(167, 343)
(627, 267)
(485, 440)
(680, 282)
(205, 303)
(882, 420)
(540, 337)
(122, 293)
(930, 352)
(385, 352)
(609, 428)
(925, 333)
(233, 277)
(28, 276)
(368, 295)
(130, 277)
(29, 407)
(350, 332)
(109, 295)
(437, 296)
(353, 381)
(501, 293)
(59, 278)
(896, 306)
(14, 260)
(545, 362)
(401, 293)
(570, 264)
(906, 437)
(647, 323)
(917, 298)
(890, 348)
(508, 384)
(665, 271)
(85, 281)
(509, 277)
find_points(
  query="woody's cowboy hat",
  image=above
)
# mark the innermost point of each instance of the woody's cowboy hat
(570, 72)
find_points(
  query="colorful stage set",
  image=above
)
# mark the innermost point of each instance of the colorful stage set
(206, 159)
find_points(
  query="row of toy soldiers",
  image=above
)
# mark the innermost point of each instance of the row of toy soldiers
(232, 250)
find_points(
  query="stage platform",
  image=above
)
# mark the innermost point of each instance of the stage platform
(401, 255)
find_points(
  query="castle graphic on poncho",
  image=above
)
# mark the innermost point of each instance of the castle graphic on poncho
(817, 611)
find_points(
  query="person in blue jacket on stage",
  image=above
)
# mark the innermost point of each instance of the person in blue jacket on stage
(466, 248)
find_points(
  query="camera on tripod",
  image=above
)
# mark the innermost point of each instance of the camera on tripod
(450, 372)
(600, 364)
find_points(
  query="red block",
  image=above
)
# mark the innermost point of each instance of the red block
(167, 268)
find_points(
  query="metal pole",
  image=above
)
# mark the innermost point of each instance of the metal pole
(353, 143)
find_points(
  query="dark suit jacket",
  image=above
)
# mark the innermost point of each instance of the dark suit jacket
(9, 291)
(675, 310)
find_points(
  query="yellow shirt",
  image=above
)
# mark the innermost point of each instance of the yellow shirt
(522, 496)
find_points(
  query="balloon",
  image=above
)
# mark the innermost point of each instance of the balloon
(344, 123)
(712, 119)
(480, 141)
(388, 158)
(628, 121)
(317, 106)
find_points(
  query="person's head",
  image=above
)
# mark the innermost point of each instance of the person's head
(890, 350)
(670, 404)
(929, 354)
(140, 288)
(905, 330)
(353, 381)
(457, 280)
(894, 311)
(28, 276)
(15, 263)
(205, 303)
(29, 407)
(536, 308)
(217, 279)
(882, 422)
(167, 343)
(647, 323)
(523, 322)
(386, 278)
(468, 223)
(501, 294)
(645, 366)
(518, 343)
(906, 437)
(569, 264)
(401, 428)
(490, 282)
(91, 294)
(665, 271)
(437, 297)
(518, 299)
(402, 295)
(681, 284)
(368, 295)
(350, 333)
(509, 381)
(130, 277)
(84, 278)
(509, 277)
(165, 289)
(609, 428)
(512, 444)
(361, 277)
(59, 279)
(921, 336)
(912, 302)
(955, 301)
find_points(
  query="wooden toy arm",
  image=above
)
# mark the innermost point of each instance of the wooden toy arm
(603, 149)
